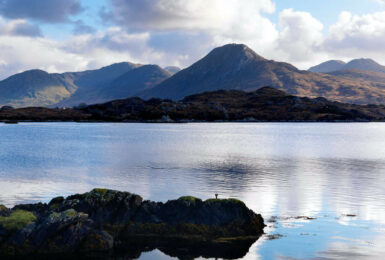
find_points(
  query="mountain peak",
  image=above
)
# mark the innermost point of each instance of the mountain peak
(362, 61)
(236, 50)
(33, 72)
(172, 69)
(120, 67)
(328, 66)
(365, 64)
(29, 74)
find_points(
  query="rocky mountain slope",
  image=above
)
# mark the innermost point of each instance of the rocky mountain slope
(91, 82)
(124, 83)
(36, 88)
(39, 88)
(361, 75)
(328, 66)
(235, 66)
(365, 64)
(134, 81)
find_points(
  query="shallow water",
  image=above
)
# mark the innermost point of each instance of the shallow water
(332, 172)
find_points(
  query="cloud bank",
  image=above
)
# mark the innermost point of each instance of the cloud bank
(52, 11)
(177, 32)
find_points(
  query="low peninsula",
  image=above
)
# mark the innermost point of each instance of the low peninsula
(263, 105)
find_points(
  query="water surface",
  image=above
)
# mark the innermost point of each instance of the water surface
(332, 172)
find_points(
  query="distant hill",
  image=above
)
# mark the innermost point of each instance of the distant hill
(358, 64)
(328, 66)
(125, 81)
(265, 104)
(99, 77)
(91, 82)
(36, 88)
(172, 69)
(134, 81)
(360, 69)
(39, 88)
(235, 66)
(365, 64)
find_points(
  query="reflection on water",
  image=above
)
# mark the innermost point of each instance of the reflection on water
(326, 171)
(145, 248)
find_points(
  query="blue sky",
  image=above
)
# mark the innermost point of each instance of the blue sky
(326, 11)
(85, 34)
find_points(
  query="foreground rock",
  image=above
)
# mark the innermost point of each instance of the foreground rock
(112, 222)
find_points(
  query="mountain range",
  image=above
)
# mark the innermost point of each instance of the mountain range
(357, 64)
(230, 67)
(235, 66)
(113, 82)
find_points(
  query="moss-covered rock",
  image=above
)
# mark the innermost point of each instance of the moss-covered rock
(189, 199)
(17, 220)
(101, 219)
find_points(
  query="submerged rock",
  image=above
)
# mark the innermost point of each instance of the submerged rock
(105, 220)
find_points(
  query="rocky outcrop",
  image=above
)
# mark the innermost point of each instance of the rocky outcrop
(108, 221)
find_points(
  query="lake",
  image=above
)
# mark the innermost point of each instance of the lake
(319, 186)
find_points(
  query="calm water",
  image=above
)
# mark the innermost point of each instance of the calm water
(326, 171)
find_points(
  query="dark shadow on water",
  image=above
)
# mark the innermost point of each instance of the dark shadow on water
(232, 249)
(181, 249)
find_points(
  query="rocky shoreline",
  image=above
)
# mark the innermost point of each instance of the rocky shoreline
(106, 222)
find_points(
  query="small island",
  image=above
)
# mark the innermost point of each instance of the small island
(121, 223)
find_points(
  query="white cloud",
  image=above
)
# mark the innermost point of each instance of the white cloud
(184, 15)
(165, 32)
(380, 1)
(21, 53)
(354, 34)
(179, 32)
(51, 11)
(301, 35)
(212, 22)
(113, 45)
(79, 52)
(19, 27)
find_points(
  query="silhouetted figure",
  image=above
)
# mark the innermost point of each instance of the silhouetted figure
(216, 195)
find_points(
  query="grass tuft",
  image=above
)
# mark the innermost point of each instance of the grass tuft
(17, 220)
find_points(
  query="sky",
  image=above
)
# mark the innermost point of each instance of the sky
(75, 35)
